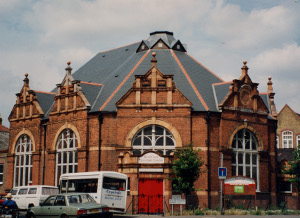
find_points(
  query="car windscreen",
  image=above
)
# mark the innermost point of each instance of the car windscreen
(49, 191)
(114, 183)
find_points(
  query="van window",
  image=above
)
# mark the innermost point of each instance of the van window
(14, 191)
(83, 185)
(23, 191)
(114, 184)
(32, 191)
(49, 191)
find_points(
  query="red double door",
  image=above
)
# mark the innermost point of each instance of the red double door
(150, 196)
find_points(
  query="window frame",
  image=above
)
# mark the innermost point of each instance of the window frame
(251, 152)
(23, 154)
(153, 138)
(287, 136)
(66, 157)
(1, 173)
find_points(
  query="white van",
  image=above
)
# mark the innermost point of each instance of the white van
(28, 196)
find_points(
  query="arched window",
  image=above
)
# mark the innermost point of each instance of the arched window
(23, 163)
(66, 158)
(287, 139)
(245, 155)
(153, 137)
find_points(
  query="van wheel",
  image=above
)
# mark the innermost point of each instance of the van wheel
(30, 205)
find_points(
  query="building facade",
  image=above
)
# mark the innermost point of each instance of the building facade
(4, 141)
(288, 139)
(128, 109)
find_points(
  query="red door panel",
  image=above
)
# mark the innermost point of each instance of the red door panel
(151, 196)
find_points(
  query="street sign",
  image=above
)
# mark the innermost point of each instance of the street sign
(222, 172)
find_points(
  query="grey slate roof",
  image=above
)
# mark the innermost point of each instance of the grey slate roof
(4, 139)
(110, 68)
(116, 69)
(46, 101)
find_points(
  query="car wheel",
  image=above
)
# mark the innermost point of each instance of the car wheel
(31, 215)
(64, 216)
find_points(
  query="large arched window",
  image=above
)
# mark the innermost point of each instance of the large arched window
(287, 139)
(66, 158)
(23, 163)
(153, 137)
(245, 155)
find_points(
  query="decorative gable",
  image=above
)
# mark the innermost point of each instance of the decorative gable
(244, 96)
(153, 90)
(178, 47)
(143, 47)
(27, 106)
(160, 44)
(69, 96)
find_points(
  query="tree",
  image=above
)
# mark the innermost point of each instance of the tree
(294, 167)
(187, 169)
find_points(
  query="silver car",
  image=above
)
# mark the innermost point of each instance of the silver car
(69, 205)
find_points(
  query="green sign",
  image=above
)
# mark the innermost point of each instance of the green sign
(238, 189)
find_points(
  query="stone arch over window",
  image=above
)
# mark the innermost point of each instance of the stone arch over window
(250, 128)
(245, 158)
(23, 132)
(156, 122)
(23, 160)
(66, 153)
(66, 126)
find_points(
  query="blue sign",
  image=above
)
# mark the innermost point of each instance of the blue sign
(222, 172)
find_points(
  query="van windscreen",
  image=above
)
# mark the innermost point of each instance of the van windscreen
(49, 191)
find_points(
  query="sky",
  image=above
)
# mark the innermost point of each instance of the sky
(39, 37)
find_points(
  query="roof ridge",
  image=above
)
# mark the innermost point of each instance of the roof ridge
(190, 81)
(89, 83)
(222, 83)
(126, 78)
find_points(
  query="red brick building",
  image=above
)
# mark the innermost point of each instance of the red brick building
(129, 108)
(4, 140)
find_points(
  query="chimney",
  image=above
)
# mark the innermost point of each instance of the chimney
(0, 120)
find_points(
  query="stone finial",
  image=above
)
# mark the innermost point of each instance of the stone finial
(69, 68)
(270, 85)
(154, 60)
(26, 80)
(0, 119)
(244, 68)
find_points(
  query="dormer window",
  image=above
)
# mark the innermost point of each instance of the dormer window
(160, 45)
(178, 46)
(143, 46)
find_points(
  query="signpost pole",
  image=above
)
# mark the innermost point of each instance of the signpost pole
(221, 205)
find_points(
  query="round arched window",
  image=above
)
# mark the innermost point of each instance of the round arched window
(23, 165)
(66, 158)
(153, 137)
(245, 155)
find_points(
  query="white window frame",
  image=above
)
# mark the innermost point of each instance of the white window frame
(1, 173)
(298, 141)
(277, 141)
(23, 154)
(153, 139)
(63, 154)
(287, 139)
(243, 152)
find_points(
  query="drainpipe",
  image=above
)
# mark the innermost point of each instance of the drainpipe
(276, 153)
(87, 144)
(207, 118)
(100, 118)
(44, 156)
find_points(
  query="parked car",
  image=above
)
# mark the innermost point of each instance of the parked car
(28, 196)
(69, 205)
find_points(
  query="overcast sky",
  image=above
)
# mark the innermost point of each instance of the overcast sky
(40, 37)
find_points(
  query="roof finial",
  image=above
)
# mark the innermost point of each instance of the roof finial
(244, 68)
(26, 80)
(154, 60)
(68, 68)
(270, 85)
(0, 120)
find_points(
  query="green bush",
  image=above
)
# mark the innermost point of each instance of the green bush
(199, 212)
